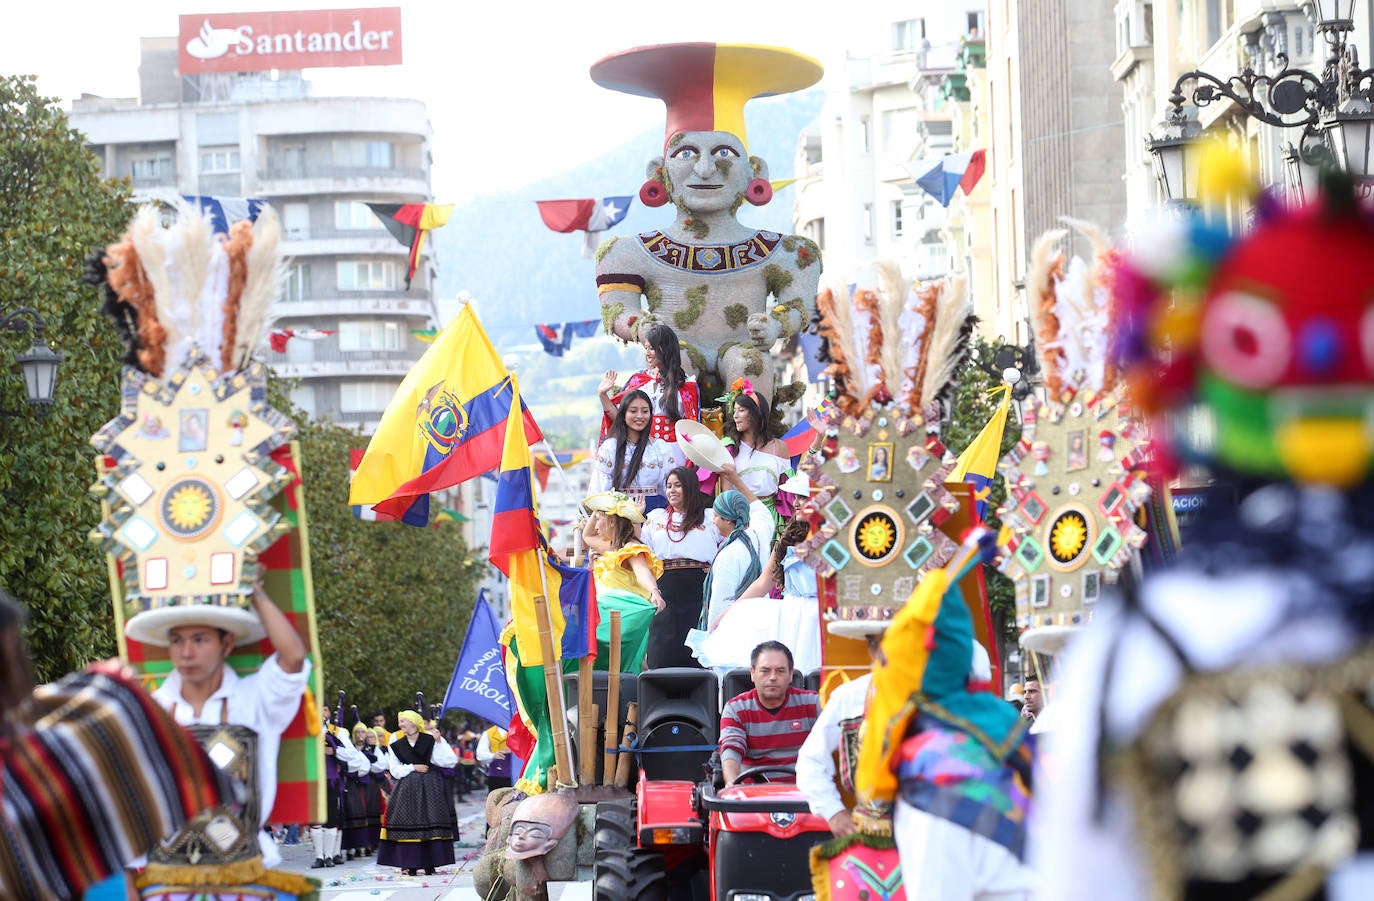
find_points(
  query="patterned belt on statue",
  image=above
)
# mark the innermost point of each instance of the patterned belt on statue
(683, 563)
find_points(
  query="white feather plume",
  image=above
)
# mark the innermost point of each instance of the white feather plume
(892, 293)
(1081, 304)
(266, 273)
(947, 338)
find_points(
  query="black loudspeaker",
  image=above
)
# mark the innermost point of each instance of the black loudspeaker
(600, 681)
(737, 682)
(812, 682)
(677, 709)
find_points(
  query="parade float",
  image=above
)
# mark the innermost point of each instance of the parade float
(201, 499)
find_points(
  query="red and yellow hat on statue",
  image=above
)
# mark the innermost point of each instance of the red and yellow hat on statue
(705, 85)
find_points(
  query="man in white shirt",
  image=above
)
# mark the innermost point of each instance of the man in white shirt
(837, 730)
(204, 689)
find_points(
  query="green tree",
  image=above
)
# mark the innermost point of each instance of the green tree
(392, 600)
(56, 209)
(972, 410)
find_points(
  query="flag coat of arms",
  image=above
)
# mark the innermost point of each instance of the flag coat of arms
(445, 424)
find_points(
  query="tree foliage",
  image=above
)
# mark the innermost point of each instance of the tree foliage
(56, 209)
(972, 410)
(392, 601)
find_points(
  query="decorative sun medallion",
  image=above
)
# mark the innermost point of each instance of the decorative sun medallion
(876, 536)
(1068, 537)
(190, 507)
(188, 476)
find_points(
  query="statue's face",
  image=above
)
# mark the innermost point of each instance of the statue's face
(528, 839)
(709, 170)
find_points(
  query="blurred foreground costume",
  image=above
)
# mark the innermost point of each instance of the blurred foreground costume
(1217, 736)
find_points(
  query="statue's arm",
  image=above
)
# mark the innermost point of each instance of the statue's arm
(793, 279)
(620, 287)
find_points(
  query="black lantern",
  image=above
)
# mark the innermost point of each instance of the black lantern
(38, 365)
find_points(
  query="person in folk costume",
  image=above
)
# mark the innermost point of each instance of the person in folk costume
(671, 391)
(1214, 734)
(686, 544)
(494, 754)
(362, 812)
(341, 759)
(452, 773)
(762, 462)
(747, 526)
(418, 830)
(625, 572)
(67, 751)
(630, 460)
(945, 765)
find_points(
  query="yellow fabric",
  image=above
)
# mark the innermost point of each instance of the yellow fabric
(980, 457)
(612, 569)
(615, 503)
(496, 739)
(411, 716)
(312, 713)
(895, 679)
(383, 735)
(832, 681)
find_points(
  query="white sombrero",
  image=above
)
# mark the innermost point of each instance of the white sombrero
(799, 484)
(700, 445)
(154, 626)
(875, 622)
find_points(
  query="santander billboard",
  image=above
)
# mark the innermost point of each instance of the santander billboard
(306, 39)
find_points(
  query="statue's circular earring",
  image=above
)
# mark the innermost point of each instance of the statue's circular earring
(652, 193)
(759, 191)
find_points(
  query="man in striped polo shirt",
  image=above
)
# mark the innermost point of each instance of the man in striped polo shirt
(766, 725)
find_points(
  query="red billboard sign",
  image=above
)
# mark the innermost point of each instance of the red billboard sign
(306, 39)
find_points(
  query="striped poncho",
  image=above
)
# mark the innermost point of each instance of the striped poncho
(101, 776)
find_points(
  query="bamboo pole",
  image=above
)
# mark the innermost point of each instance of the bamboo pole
(608, 767)
(622, 766)
(553, 687)
(586, 716)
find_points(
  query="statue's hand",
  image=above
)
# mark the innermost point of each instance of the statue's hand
(763, 331)
(642, 325)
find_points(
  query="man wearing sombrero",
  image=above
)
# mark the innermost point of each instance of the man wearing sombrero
(203, 688)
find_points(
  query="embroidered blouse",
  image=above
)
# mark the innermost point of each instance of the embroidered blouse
(699, 544)
(688, 401)
(659, 458)
(759, 470)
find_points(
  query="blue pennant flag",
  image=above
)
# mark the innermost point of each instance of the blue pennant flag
(479, 678)
(225, 211)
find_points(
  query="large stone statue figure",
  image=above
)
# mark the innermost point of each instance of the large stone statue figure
(729, 291)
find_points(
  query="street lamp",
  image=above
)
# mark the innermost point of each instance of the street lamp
(1334, 110)
(1015, 366)
(38, 364)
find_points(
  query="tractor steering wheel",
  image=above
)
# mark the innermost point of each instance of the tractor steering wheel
(758, 772)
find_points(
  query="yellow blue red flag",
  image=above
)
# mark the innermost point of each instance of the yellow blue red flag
(445, 424)
(977, 465)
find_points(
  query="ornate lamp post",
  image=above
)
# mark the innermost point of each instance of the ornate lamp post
(1334, 110)
(1014, 366)
(38, 364)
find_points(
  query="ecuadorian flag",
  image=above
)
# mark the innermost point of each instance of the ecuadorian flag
(445, 424)
(978, 463)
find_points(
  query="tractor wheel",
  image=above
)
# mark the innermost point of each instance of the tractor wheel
(615, 825)
(628, 875)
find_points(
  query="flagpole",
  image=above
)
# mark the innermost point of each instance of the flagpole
(562, 474)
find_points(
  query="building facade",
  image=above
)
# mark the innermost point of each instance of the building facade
(317, 160)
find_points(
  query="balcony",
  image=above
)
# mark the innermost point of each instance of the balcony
(389, 303)
(360, 243)
(319, 359)
(281, 180)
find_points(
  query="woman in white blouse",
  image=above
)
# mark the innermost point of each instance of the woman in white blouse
(760, 460)
(631, 461)
(686, 544)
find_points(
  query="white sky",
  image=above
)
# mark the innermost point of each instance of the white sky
(504, 81)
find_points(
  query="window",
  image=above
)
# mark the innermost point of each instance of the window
(368, 334)
(908, 35)
(973, 24)
(364, 154)
(298, 282)
(367, 275)
(295, 221)
(866, 134)
(868, 223)
(151, 169)
(365, 397)
(350, 214)
(219, 159)
(293, 160)
(896, 218)
(304, 397)
(900, 132)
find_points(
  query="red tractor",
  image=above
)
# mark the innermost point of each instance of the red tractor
(683, 837)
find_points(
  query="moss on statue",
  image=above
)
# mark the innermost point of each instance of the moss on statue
(753, 361)
(610, 312)
(782, 397)
(789, 243)
(698, 228)
(676, 139)
(782, 312)
(696, 358)
(696, 305)
(739, 202)
(736, 314)
(653, 296)
(807, 253)
(605, 248)
(776, 279)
